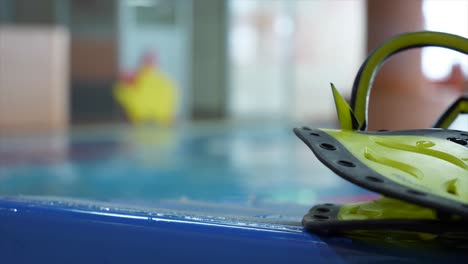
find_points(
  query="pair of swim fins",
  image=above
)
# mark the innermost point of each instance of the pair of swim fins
(421, 174)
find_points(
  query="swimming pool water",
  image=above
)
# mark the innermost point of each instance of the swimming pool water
(199, 167)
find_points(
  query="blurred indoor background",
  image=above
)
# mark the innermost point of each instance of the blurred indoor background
(221, 82)
(241, 60)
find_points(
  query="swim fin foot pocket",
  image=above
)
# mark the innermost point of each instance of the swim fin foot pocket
(421, 174)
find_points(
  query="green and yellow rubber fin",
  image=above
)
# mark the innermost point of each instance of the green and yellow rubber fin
(386, 220)
(422, 174)
(427, 167)
(383, 213)
(345, 114)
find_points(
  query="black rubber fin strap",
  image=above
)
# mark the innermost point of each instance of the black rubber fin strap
(458, 107)
(368, 70)
(336, 157)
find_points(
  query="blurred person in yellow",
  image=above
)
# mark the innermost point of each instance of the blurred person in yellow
(149, 95)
